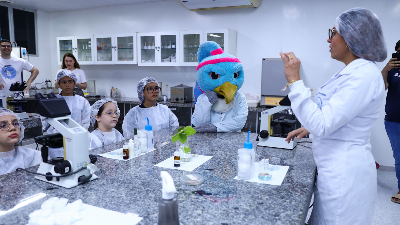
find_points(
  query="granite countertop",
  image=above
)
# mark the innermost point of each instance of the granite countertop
(134, 186)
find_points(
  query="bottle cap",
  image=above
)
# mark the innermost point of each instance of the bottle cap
(135, 131)
(248, 144)
(148, 127)
(125, 147)
(168, 186)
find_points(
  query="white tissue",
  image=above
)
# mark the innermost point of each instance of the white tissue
(57, 211)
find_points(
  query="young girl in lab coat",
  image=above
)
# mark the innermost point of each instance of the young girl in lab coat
(341, 119)
(11, 155)
(160, 116)
(104, 117)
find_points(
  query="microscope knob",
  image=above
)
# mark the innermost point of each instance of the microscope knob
(93, 158)
(264, 134)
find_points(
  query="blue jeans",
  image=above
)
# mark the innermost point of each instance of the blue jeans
(393, 132)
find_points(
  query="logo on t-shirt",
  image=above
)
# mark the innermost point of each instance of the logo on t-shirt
(397, 75)
(8, 72)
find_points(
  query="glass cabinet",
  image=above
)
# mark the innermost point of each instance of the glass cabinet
(115, 49)
(80, 47)
(191, 41)
(225, 38)
(158, 49)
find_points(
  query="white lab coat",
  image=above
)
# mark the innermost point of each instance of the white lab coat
(340, 121)
(80, 111)
(98, 138)
(160, 116)
(232, 120)
(19, 157)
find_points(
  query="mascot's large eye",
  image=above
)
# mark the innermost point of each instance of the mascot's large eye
(214, 75)
(236, 75)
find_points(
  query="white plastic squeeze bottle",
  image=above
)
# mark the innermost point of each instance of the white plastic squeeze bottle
(246, 160)
(168, 204)
(149, 130)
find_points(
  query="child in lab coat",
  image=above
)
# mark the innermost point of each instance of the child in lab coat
(11, 155)
(78, 105)
(160, 116)
(104, 117)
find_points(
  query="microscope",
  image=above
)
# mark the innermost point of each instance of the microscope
(72, 169)
(276, 123)
(13, 99)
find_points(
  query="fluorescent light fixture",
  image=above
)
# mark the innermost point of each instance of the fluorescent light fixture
(25, 202)
(214, 35)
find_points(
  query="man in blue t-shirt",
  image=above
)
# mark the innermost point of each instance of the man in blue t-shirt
(391, 77)
(11, 68)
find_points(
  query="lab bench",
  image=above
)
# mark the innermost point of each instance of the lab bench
(134, 186)
(183, 111)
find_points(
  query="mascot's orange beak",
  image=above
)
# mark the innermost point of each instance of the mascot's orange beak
(228, 90)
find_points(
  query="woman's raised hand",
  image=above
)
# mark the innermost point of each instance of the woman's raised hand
(291, 66)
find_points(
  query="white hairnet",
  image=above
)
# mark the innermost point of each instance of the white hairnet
(362, 31)
(64, 73)
(140, 87)
(4, 111)
(97, 105)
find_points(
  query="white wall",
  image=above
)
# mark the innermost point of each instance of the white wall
(42, 59)
(287, 25)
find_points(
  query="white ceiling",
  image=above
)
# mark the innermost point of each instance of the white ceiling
(67, 5)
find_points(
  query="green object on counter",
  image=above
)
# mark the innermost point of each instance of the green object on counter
(182, 134)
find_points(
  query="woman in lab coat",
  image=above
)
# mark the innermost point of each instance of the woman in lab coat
(340, 120)
(69, 63)
(160, 116)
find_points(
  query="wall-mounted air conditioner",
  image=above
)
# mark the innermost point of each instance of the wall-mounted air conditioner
(196, 5)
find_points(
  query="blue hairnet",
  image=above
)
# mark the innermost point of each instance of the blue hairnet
(64, 73)
(140, 87)
(4, 111)
(97, 105)
(362, 31)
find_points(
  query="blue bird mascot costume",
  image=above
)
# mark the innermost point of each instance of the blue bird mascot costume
(219, 105)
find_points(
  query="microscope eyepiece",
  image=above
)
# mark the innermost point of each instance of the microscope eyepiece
(39, 96)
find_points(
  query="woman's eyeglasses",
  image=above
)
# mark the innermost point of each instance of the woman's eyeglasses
(151, 89)
(69, 82)
(332, 33)
(110, 113)
(5, 126)
(6, 46)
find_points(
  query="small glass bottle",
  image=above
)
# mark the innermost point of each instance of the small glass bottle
(125, 152)
(177, 159)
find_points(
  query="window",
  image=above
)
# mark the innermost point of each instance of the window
(18, 26)
(24, 30)
(4, 24)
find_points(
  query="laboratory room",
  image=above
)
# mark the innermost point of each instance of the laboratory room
(199, 112)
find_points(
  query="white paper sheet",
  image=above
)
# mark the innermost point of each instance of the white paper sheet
(187, 166)
(117, 154)
(276, 179)
(96, 215)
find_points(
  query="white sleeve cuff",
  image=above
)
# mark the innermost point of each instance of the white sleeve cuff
(297, 85)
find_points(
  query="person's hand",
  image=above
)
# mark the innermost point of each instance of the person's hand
(206, 128)
(299, 133)
(212, 96)
(291, 66)
(1, 86)
(393, 63)
(28, 86)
